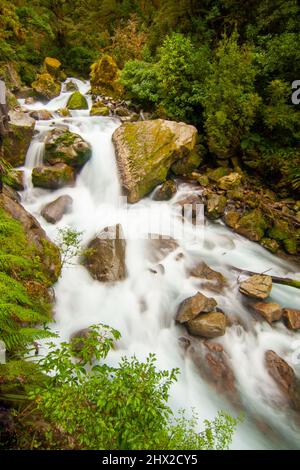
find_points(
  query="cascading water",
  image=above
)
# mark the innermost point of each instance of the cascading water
(143, 306)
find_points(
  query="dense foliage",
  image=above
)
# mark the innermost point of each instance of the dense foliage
(123, 407)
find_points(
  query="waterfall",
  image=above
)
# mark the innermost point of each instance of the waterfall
(143, 306)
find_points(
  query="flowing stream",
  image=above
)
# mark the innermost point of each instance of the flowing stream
(143, 306)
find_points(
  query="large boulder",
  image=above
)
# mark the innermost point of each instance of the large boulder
(54, 211)
(104, 78)
(292, 318)
(208, 325)
(193, 306)
(47, 251)
(46, 86)
(16, 143)
(105, 256)
(257, 286)
(284, 376)
(146, 151)
(77, 101)
(252, 225)
(53, 177)
(63, 146)
(270, 311)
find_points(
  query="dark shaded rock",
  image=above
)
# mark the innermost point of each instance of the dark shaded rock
(54, 211)
(166, 191)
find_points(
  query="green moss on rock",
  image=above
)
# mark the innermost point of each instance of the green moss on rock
(252, 225)
(46, 86)
(104, 78)
(77, 101)
(53, 177)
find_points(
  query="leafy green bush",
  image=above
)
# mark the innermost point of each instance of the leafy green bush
(141, 81)
(123, 407)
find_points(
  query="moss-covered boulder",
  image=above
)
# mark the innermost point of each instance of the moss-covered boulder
(146, 151)
(52, 66)
(218, 173)
(231, 181)
(16, 143)
(166, 191)
(53, 177)
(252, 225)
(46, 86)
(215, 206)
(99, 109)
(77, 101)
(284, 233)
(104, 78)
(66, 147)
(232, 217)
(270, 244)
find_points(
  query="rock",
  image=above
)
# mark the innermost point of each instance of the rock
(215, 206)
(66, 147)
(52, 66)
(231, 181)
(16, 143)
(53, 177)
(270, 244)
(284, 376)
(159, 247)
(54, 211)
(187, 164)
(283, 232)
(257, 286)
(184, 342)
(269, 310)
(191, 206)
(71, 86)
(46, 86)
(231, 218)
(17, 180)
(122, 111)
(106, 260)
(63, 112)
(146, 151)
(98, 109)
(291, 246)
(77, 340)
(41, 115)
(218, 370)
(47, 251)
(292, 318)
(208, 325)
(77, 101)
(104, 78)
(166, 191)
(217, 174)
(203, 271)
(193, 306)
(252, 225)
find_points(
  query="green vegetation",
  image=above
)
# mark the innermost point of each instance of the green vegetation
(123, 407)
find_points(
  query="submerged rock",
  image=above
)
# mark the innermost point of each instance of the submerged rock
(146, 151)
(66, 147)
(193, 306)
(166, 191)
(105, 259)
(203, 271)
(77, 101)
(54, 211)
(269, 310)
(257, 286)
(17, 142)
(159, 247)
(53, 177)
(292, 318)
(208, 325)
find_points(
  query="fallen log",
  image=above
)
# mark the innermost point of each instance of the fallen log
(277, 280)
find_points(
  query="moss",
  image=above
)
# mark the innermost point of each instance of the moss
(280, 231)
(217, 174)
(270, 244)
(46, 86)
(252, 225)
(187, 164)
(290, 246)
(77, 101)
(52, 65)
(215, 206)
(105, 78)
(99, 110)
(53, 177)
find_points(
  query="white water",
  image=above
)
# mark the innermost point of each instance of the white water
(143, 306)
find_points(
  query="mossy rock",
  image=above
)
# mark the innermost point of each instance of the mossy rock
(290, 246)
(52, 66)
(104, 78)
(63, 112)
(166, 191)
(66, 147)
(187, 164)
(147, 150)
(218, 173)
(46, 86)
(17, 142)
(71, 86)
(98, 109)
(281, 230)
(77, 101)
(215, 206)
(231, 218)
(252, 225)
(270, 244)
(53, 177)
(231, 181)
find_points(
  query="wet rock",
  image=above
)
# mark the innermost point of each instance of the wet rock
(122, 111)
(231, 218)
(284, 376)
(159, 247)
(46, 86)
(99, 109)
(257, 286)
(41, 115)
(77, 101)
(191, 206)
(66, 147)
(292, 318)
(208, 325)
(17, 180)
(71, 86)
(215, 206)
(104, 78)
(231, 181)
(218, 369)
(193, 306)
(203, 271)
(269, 310)
(252, 225)
(78, 340)
(184, 342)
(53, 177)
(146, 151)
(105, 259)
(270, 245)
(166, 191)
(16, 143)
(54, 211)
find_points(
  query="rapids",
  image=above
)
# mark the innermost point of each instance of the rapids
(143, 306)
